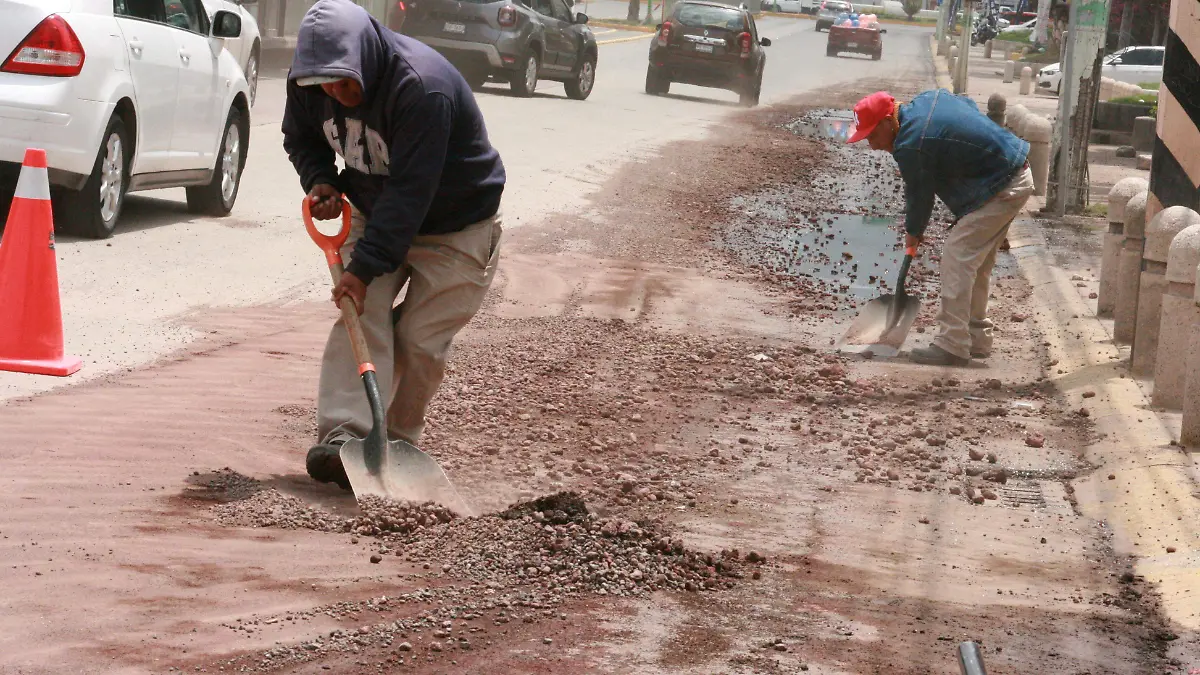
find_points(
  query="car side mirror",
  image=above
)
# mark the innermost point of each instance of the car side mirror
(227, 25)
(766, 42)
(882, 30)
(580, 17)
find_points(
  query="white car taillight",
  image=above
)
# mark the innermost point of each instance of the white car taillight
(51, 49)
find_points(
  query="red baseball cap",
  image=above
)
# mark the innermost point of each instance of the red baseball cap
(869, 112)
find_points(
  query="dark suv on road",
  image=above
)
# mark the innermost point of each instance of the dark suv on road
(517, 41)
(710, 45)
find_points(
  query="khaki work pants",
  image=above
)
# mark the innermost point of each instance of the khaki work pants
(447, 276)
(967, 260)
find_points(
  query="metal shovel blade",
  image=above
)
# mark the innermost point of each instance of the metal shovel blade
(398, 470)
(882, 324)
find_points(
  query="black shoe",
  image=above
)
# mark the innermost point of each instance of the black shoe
(324, 464)
(936, 356)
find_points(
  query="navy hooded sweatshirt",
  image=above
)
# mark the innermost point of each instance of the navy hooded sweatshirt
(417, 155)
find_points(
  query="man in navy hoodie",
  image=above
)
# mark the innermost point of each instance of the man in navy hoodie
(424, 183)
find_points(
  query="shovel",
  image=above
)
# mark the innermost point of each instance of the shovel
(883, 323)
(375, 465)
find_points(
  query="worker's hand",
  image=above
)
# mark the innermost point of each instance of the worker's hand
(911, 241)
(350, 287)
(325, 202)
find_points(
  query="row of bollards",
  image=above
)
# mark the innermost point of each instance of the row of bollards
(1149, 277)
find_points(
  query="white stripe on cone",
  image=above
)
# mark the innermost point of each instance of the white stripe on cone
(34, 183)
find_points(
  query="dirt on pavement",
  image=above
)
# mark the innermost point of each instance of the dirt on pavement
(677, 473)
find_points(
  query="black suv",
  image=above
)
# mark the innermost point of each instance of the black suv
(517, 41)
(710, 45)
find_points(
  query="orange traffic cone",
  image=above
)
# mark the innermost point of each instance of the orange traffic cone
(31, 334)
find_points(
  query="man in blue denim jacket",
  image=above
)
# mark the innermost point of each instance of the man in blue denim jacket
(946, 147)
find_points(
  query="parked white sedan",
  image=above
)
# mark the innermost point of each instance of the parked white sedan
(122, 96)
(246, 48)
(1135, 65)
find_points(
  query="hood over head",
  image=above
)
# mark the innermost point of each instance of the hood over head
(338, 40)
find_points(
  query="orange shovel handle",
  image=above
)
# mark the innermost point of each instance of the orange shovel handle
(911, 250)
(331, 244)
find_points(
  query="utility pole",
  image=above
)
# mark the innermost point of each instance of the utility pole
(964, 50)
(1086, 32)
(1125, 36)
(1042, 31)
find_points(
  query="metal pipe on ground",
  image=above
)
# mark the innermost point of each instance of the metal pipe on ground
(970, 660)
(1110, 260)
(1129, 269)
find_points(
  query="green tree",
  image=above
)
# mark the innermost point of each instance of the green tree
(911, 7)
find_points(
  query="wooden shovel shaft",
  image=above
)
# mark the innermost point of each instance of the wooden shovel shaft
(358, 341)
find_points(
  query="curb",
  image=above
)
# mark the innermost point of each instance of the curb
(941, 69)
(622, 26)
(1150, 504)
(645, 36)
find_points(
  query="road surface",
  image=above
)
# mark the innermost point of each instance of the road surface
(126, 300)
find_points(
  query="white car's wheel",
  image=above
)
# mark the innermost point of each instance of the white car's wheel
(217, 198)
(92, 212)
(252, 77)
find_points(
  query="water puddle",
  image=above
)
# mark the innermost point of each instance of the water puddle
(851, 255)
(831, 125)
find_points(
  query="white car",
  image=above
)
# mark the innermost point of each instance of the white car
(791, 6)
(247, 48)
(1134, 65)
(1030, 25)
(122, 97)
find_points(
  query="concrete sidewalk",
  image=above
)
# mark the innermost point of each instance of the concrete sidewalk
(1144, 487)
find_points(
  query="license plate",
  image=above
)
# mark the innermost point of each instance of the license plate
(707, 49)
(851, 45)
(456, 28)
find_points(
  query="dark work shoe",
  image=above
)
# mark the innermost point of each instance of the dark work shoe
(936, 356)
(324, 464)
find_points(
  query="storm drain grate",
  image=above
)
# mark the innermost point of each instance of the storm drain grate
(1028, 493)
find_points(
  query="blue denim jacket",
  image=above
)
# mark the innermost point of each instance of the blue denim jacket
(947, 147)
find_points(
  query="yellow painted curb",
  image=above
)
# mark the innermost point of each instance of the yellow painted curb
(625, 39)
(1149, 504)
(623, 26)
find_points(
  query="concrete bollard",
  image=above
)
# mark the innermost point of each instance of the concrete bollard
(1110, 260)
(1144, 132)
(1153, 283)
(953, 51)
(1026, 80)
(1010, 67)
(987, 49)
(1129, 270)
(1179, 315)
(1189, 433)
(1015, 115)
(996, 105)
(1037, 132)
(952, 66)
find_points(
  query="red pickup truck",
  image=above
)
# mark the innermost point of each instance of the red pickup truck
(859, 40)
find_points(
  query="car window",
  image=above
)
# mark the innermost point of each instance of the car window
(753, 28)
(560, 10)
(149, 10)
(1134, 57)
(188, 15)
(543, 7)
(1155, 57)
(706, 15)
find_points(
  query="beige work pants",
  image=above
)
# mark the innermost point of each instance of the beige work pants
(967, 260)
(447, 276)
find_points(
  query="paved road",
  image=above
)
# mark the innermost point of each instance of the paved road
(124, 299)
